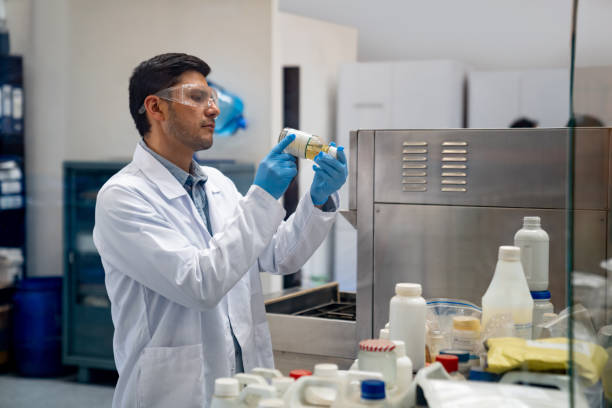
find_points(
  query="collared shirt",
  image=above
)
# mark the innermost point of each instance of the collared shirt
(194, 183)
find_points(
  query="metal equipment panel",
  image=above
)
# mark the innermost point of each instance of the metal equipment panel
(365, 233)
(503, 168)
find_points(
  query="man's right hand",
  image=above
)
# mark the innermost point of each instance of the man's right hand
(277, 169)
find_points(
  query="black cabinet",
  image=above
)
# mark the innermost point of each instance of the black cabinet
(12, 155)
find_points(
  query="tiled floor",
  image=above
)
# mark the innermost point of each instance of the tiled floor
(19, 392)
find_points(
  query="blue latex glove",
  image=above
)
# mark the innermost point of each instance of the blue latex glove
(277, 169)
(330, 175)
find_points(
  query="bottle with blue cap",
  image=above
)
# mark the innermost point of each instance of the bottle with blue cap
(373, 394)
(541, 305)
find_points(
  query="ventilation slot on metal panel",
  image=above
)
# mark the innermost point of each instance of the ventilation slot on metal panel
(454, 167)
(414, 166)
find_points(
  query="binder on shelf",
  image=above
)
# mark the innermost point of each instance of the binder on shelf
(7, 108)
(17, 108)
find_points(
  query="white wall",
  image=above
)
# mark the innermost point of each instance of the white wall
(81, 56)
(319, 48)
(500, 34)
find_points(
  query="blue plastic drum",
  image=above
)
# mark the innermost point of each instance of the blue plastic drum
(37, 335)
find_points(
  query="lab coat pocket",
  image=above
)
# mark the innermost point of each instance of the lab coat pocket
(171, 377)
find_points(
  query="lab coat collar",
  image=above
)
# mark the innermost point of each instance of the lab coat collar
(158, 174)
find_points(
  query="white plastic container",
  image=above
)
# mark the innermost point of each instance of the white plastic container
(378, 355)
(534, 244)
(372, 395)
(397, 396)
(508, 293)
(320, 389)
(466, 334)
(282, 384)
(407, 321)
(253, 393)
(541, 305)
(226, 393)
(271, 403)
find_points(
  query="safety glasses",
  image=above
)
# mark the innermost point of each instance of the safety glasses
(194, 95)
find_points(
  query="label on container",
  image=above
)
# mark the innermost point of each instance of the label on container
(7, 100)
(523, 330)
(299, 145)
(17, 103)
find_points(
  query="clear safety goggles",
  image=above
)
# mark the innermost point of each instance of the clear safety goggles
(194, 95)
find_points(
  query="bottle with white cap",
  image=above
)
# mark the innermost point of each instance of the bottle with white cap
(508, 293)
(407, 321)
(534, 244)
(226, 393)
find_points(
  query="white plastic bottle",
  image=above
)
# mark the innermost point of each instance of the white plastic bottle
(534, 244)
(372, 395)
(407, 321)
(226, 393)
(398, 395)
(541, 305)
(508, 293)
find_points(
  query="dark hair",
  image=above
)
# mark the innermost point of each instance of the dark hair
(524, 123)
(155, 74)
(584, 121)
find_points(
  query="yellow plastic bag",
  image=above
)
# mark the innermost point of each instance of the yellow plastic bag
(509, 353)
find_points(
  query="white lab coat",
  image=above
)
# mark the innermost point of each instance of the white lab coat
(172, 286)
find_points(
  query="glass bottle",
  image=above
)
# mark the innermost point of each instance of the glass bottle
(305, 145)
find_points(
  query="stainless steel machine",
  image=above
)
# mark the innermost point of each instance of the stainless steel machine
(433, 206)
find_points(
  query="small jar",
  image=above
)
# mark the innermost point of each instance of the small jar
(435, 342)
(466, 334)
(541, 305)
(378, 355)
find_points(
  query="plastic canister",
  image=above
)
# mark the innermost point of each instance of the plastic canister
(322, 388)
(534, 244)
(226, 393)
(253, 393)
(466, 333)
(508, 293)
(379, 356)
(282, 384)
(541, 305)
(407, 311)
(37, 334)
(463, 358)
(271, 403)
(373, 394)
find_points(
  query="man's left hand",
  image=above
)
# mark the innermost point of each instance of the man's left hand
(330, 175)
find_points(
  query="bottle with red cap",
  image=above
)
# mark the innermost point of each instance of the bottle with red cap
(297, 373)
(450, 362)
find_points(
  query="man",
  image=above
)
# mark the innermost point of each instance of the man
(182, 248)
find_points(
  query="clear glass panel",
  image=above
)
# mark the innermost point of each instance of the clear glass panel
(589, 230)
